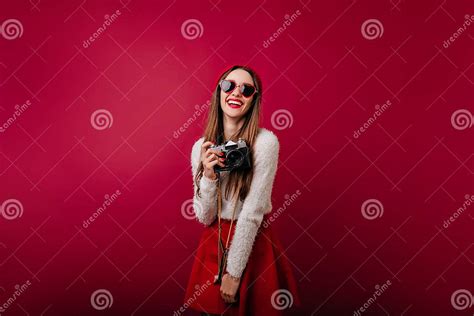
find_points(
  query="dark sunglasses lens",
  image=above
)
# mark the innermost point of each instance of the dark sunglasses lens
(227, 85)
(247, 90)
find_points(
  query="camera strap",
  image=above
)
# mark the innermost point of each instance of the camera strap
(221, 248)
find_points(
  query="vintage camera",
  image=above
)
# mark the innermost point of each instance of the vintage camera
(237, 155)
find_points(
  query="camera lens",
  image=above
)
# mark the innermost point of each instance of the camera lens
(234, 158)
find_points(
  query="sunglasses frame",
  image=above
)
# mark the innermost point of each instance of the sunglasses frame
(238, 85)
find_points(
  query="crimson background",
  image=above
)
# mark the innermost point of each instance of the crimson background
(321, 70)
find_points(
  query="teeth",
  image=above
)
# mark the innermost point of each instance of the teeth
(234, 102)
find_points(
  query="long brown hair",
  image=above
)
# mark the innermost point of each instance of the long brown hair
(239, 180)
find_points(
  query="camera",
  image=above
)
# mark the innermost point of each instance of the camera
(237, 155)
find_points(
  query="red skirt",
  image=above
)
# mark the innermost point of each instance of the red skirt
(267, 285)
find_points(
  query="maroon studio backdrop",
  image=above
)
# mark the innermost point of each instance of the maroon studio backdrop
(101, 102)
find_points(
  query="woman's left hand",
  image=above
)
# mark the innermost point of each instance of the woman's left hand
(229, 287)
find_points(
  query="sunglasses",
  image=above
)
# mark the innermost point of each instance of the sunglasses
(246, 89)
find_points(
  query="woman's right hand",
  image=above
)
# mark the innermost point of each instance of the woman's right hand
(210, 157)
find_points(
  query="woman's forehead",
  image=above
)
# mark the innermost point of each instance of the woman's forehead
(240, 76)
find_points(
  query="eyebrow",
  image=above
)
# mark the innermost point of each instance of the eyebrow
(240, 82)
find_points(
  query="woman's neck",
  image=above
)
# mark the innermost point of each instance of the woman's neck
(232, 126)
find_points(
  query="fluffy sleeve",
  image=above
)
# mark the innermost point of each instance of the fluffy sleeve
(205, 207)
(257, 201)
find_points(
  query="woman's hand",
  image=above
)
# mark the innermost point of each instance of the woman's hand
(209, 158)
(229, 288)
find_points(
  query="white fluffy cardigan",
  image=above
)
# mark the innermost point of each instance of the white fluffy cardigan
(249, 212)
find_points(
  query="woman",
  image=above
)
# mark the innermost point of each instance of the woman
(250, 275)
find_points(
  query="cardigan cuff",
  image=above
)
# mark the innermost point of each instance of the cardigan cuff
(236, 271)
(236, 278)
(207, 184)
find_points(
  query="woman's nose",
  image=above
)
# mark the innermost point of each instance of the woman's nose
(236, 91)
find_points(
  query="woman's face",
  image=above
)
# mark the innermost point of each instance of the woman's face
(228, 101)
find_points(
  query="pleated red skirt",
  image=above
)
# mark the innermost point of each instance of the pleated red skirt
(267, 285)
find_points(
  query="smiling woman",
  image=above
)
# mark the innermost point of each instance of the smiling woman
(251, 275)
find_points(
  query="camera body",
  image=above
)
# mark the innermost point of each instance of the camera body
(237, 155)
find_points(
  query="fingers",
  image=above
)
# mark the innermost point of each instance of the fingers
(227, 298)
(213, 156)
(212, 159)
(228, 289)
(206, 144)
(228, 301)
(205, 148)
(211, 164)
(211, 151)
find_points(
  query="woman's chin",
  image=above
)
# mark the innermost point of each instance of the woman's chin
(234, 113)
